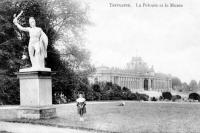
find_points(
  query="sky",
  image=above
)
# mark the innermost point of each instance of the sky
(166, 37)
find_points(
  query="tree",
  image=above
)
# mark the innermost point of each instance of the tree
(193, 85)
(11, 47)
(54, 17)
(71, 25)
(70, 21)
(176, 83)
(185, 87)
(199, 85)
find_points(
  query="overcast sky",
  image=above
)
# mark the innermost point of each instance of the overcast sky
(166, 37)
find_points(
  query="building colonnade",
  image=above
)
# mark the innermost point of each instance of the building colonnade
(142, 83)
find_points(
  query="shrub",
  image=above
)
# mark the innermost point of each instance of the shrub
(161, 98)
(143, 97)
(60, 99)
(89, 95)
(97, 96)
(167, 95)
(154, 99)
(132, 96)
(105, 96)
(176, 97)
(194, 96)
(173, 98)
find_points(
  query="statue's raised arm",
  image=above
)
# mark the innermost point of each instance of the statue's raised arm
(18, 15)
(15, 21)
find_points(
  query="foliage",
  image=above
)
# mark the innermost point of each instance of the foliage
(167, 95)
(132, 96)
(199, 85)
(176, 97)
(110, 91)
(176, 83)
(143, 97)
(194, 96)
(125, 93)
(69, 23)
(185, 87)
(193, 85)
(161, 98)
(9, 90)
(154, 99)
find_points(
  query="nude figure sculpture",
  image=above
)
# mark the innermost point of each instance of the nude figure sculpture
(38, 42)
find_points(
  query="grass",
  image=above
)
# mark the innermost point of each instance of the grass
(133, 117)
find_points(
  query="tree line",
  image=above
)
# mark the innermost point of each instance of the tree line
(177, 85)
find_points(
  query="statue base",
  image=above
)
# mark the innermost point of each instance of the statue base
(35, 94)
(36, 112)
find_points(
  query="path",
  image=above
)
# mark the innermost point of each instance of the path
(29, 128)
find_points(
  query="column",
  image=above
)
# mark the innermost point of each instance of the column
(120, 81)
(136, 83)
(170, 84)
(131, 83)
(152, 84)
(149, 84)
(155, 84)
(142, 83)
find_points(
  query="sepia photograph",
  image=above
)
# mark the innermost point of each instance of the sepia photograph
(99, 66)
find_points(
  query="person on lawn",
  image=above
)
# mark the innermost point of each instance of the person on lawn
(81, 106)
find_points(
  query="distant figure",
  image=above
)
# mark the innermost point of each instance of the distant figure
(81, 106)
(122, 104)
(38, 42)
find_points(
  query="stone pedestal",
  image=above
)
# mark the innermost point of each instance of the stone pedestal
(36, 113)
(35, 95)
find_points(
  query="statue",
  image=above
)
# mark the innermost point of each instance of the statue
(38, 42)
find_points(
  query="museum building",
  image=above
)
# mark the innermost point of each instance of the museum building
(137, 76)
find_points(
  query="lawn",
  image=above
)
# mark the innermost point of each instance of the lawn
(133, 117)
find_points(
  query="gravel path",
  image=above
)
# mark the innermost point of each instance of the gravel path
(29, 128)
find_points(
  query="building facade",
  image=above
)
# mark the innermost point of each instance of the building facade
(137, 76)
